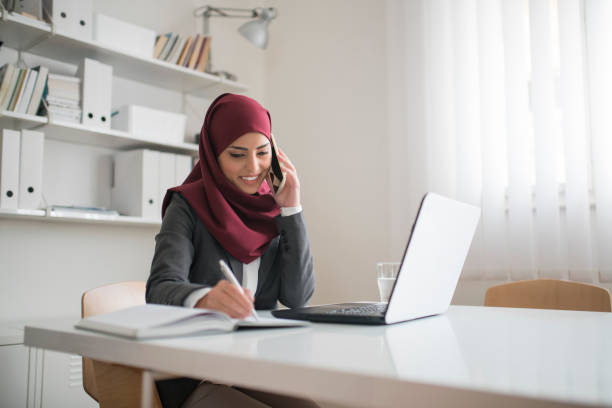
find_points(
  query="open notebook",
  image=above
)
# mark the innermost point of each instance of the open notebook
(152, 321)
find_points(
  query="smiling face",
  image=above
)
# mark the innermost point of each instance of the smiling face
(246, 162)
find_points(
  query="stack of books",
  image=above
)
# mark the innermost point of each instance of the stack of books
(189, 52)
(63, 98)
(21, 89)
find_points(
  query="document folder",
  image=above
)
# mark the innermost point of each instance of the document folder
(183, 168)
(136, 184)
(30, 169)
(167, 176)
(97, 84)
(71, 18)
(9, 169)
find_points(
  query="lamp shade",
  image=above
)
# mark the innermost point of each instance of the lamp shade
(257, 31)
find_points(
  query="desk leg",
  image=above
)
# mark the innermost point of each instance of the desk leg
(148, 382)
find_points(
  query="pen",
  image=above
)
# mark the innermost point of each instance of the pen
(227, 272)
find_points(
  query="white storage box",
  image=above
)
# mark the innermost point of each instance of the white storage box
(151, 124)
(123, 36)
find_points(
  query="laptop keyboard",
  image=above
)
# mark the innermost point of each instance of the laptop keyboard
(360, 309)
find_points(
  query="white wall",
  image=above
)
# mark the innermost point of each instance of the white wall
(325, 88)
(324, 77)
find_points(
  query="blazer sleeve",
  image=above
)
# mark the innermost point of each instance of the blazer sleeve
(168, 281)
(294, 261)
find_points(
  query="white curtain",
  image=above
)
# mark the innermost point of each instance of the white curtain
(517, 118)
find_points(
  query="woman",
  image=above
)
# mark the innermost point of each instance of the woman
(225, 211)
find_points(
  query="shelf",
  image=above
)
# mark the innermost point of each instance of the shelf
(12, 120)
(78, 133)
(11, 334)
(42, 215)
(29, 35)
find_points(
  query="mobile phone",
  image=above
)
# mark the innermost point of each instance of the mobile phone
(276, 173)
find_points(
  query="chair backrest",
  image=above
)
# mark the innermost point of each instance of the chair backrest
(107, 299)
(550, 294)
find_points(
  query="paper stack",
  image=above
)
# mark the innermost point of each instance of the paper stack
(63, 100)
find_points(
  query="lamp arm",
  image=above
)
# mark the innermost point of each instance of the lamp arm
(210, 11)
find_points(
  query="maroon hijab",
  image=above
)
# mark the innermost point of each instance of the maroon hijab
(242, 223)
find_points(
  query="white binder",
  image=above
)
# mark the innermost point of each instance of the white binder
(9, 168)
(72, 18)
(183, 168)
(96, 86)
(136, 184)
(30, 169)
(167, 174)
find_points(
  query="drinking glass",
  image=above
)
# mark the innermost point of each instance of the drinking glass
(386, 272)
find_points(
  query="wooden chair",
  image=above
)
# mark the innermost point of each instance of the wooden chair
(550, 294)
(113, 385)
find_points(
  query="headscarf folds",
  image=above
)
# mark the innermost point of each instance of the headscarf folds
(242, 223)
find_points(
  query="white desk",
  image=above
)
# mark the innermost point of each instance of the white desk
(469, 356)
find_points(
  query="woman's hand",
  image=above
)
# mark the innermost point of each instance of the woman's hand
(289, 196)
(229, 299)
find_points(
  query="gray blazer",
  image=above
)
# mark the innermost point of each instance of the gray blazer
(187, 258)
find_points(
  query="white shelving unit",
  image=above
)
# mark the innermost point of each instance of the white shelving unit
(22, 33)
(38, 38)
(80, 134)
(86, 218)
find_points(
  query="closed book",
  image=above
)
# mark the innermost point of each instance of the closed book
(58, 113)
(196, 52)
(201, 66)
(184, 51)
(160, 43)
(190, 51)
(155, 321)
(63, 102)
(64, 86)
(39, 87)
(6, 101)
(8, 70)
(26, 95)
(178, 50)
(169, 46)
(23, 73)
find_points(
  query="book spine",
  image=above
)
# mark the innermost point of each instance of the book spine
(17, 89)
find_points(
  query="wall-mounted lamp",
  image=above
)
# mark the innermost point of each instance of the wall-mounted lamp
(255, 31)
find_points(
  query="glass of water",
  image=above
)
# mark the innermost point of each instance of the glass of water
(386, 272)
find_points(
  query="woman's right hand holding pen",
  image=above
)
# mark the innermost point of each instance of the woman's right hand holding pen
(229, 299)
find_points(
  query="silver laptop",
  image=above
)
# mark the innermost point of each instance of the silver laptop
(432, 262)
